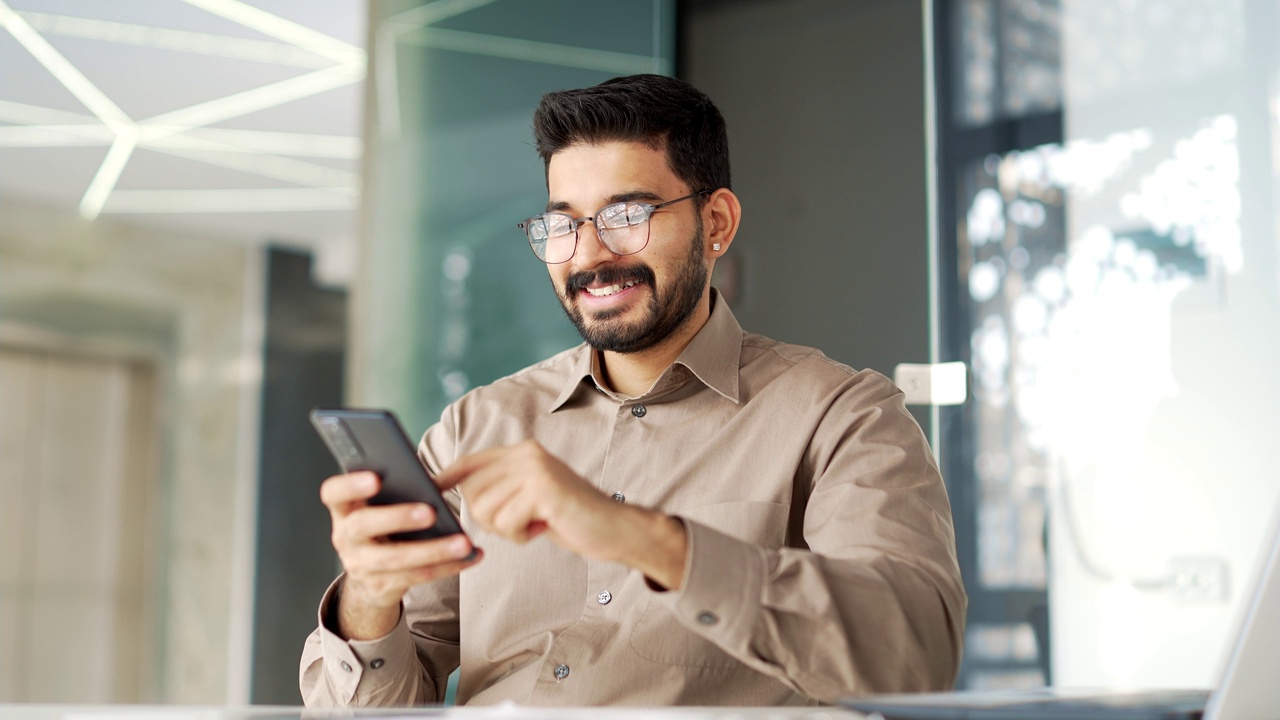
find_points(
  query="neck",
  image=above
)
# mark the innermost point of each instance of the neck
(634, 373)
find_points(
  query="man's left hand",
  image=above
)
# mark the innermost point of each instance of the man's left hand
(522, 491)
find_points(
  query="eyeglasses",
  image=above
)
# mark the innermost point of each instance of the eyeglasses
(622, 227)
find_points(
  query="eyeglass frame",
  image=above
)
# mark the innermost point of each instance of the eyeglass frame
(601, 232)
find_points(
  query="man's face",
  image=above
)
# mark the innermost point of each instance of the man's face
(627, 303)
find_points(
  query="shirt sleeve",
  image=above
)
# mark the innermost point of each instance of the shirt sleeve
(875, 602)
(407, 666)
(411, 664)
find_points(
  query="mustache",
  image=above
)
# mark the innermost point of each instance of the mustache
(612, 275)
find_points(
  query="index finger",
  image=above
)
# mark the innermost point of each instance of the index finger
(344, 493)
(464, 466)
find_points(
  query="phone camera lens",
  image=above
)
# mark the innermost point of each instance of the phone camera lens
(340, 438)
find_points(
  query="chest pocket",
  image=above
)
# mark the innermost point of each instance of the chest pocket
(658, 636)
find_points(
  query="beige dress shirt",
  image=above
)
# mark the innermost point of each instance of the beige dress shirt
(821, 556)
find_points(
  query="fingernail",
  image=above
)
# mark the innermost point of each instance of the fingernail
(419, 513)
(460, 546)
(368, 480)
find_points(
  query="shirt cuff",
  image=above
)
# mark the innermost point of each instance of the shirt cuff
(719, 595)
(364, 665)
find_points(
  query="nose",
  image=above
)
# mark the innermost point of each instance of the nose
(591, 249)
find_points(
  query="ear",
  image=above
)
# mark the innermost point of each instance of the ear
(720, 217)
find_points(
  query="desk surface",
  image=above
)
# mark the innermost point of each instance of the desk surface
(499, 712)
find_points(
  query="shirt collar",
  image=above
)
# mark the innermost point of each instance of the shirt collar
(579, 374)
(713, 356)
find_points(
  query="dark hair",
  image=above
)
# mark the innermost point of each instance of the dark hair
(661, 112)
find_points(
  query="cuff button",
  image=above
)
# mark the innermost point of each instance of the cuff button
(707, 618)
(345, 666)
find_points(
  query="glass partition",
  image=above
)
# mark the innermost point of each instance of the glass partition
(1159, 354)
(999, 111)
(1114, 174)
(451, 296)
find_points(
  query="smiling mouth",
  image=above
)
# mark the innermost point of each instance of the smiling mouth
(608, 290)
(604, 283)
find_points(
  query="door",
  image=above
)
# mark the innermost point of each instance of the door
(78, 600)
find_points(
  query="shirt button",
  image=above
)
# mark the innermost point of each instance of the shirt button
(638, 410)
(377, 663)
(604, 598)
(707, 618)
(562, 672)
(345, 666)
(619, 497)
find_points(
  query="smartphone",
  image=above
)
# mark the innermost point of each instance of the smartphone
(373, 440)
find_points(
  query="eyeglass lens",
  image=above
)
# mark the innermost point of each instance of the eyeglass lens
(622, 227)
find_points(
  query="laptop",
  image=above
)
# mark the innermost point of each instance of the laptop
(1249, 687)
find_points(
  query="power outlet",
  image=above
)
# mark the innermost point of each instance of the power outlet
(1198, 579)
(935, 384)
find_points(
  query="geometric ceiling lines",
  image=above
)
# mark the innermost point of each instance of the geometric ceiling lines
(323, 61)
(217, 115)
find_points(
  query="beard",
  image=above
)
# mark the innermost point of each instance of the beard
(668, 308)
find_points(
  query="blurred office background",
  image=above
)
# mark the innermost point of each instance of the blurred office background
(217, 214)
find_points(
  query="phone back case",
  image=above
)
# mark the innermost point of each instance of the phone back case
(373, 440)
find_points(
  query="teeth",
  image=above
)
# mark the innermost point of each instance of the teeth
(607, 291)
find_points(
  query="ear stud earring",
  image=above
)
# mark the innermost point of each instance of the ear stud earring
(715, 246)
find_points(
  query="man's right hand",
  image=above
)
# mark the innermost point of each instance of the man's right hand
(379, 571)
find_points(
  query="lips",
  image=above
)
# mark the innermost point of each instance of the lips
(607, 281)
(611, 289)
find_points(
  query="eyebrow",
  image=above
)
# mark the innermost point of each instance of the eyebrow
(629, 196)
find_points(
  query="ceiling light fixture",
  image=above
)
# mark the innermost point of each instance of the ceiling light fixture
(281, 29)
(94, 99)
(63, 71)
(179, 40)
(344, 147)
(262, 164)
(54, 135)
(534, 51)
(24, 114)
(109, 172)
(239, 200)
(259, 98)
(179, 132)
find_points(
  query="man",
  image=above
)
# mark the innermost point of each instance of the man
(675, 512)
